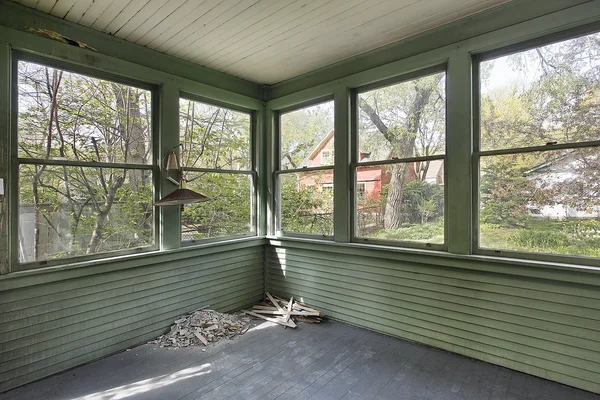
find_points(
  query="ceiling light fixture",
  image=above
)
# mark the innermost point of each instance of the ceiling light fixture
(180, 196)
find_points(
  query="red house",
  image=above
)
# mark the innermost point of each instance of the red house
(369, 179)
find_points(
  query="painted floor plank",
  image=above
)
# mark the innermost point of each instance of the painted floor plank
(325, 361)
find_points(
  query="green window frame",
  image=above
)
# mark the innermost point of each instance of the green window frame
(110, 171)
(359, 164)
(309, 188)
(563, 149)
(227, 225)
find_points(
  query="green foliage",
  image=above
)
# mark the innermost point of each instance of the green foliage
(423, 201)
(429, 232)
(305, 209)
(539, 239)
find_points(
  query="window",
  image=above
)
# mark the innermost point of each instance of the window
(217, 161)
(327, 157)
(538, 149)
(305, 178)
(85, 171)
(400, 151)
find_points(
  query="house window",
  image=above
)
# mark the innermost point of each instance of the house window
(84, 166)
(217, 162)
(539, 160)
(327, 157)
(361, 191)
(401, 128)
(305, 182)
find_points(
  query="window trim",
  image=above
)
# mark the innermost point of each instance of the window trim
(13, 173)
(477, 59)
(279, 233)
(355, 163)
(252, 172)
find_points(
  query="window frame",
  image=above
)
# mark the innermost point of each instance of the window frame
(355, 162)
(279, 172)
(477, 59)
(16, 161)
(251, 172)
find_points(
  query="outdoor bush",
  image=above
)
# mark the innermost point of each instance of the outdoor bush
(539, 239)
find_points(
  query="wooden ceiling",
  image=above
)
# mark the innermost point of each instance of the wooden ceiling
(263, 41)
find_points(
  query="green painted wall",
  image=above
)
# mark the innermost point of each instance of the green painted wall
(528, 318)
(54, 320)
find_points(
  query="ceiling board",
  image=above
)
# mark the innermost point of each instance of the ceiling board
(264, 41)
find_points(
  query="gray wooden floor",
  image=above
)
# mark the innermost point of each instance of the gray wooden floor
(327, 361)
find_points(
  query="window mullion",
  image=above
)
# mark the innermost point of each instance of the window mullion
(459, 148)
(341, 189)
(169, 138)
(5, 131)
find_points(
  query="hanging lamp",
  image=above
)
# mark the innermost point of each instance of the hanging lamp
(180, 196)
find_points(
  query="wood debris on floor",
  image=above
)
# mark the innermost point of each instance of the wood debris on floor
(283, 312)
(201, 327)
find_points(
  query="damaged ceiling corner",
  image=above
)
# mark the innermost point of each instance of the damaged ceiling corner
(61, 38)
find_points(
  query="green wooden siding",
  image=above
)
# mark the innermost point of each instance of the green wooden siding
(49, 327)
(542, 326)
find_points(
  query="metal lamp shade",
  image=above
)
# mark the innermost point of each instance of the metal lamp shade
(181, 196)
(172, 163)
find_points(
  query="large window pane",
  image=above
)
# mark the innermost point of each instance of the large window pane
(69, 116)
(546, 202)
(307, 202)
(547, 94)
(403, 120)
(228, 210)
(402, 201)
(213, 137)
(307, 137)
(73, 211)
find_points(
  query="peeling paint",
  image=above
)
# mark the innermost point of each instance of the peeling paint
(61, 38)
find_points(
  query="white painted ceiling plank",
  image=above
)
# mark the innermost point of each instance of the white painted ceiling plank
(247, 26)
(214, 39)
(62, 7)
(253, 17)
(184, 27)
(301, 27)
(340, 30)
(173, 20)
(218, 15)
(148, 25)
(45, 5)
(125, 15)
(97, 8)
(78, 9)
(345, 49)
(279, 23)
(109, 14)
(138, 18)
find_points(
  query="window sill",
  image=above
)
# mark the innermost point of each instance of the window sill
(515, 266)
(110, 264)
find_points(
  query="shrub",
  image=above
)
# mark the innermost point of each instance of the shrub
(538, 239)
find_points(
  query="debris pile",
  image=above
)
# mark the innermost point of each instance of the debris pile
(201, 327)
(283, 312)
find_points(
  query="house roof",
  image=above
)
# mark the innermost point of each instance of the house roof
(320, 145)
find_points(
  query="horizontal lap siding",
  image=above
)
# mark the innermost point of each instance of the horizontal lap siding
(47, 328)
(539, 326)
